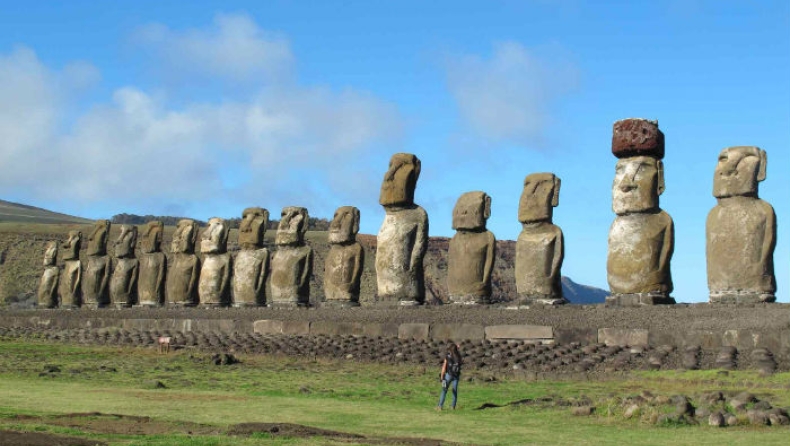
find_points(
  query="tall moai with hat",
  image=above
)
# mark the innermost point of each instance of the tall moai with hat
(183, 269)
(641, 238)
(153, 266)
(292, 262)
(472, 251)
(214, 283)
(48, 286)
(344, 261)
(69, 286)
(96, 276)
(251, 265)
(740, 230)
(126, 267)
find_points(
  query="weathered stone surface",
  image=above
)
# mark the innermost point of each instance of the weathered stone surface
(472, 251)
(48, 286)
(345, 259)
(740, 231)
(152, 266)
(151, 239)
(95, 280)
(457, 332)
(252, 228)
(414, 331)
(296, 328)
(215, 237)
(638, 182)
(184, 268)
(71, 249)
(403, 237)
(637, 137)
(214, 283)
(331, 328)
(185, 237)
(292, 262)
(97, 240)
(69, 286)
(536, 332)
(125, 268)
(267, 326)
(623, 336)
(250, 269)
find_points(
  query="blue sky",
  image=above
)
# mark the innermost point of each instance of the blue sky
(202, 109)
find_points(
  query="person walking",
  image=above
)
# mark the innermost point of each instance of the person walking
(451, 372)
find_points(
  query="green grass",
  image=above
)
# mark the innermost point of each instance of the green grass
(374, 400)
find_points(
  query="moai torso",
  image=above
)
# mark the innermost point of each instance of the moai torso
(640, 246)
(344, 262)
(123, 282)
(214, 284)
(403, 238)
(183, 269)
(96, 276)
(152, 267)
(48, 287)
(740, 231)
(292, 262)
(251, 264)
(540, 247)
(472, 251)
(70, 278)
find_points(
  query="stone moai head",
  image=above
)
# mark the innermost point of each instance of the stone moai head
(293, 225)
(97, 241)
(215, 237)
(639, 174)
(152, 237)
(124, 246)
(399, 183)
(51, 253)
(541, 194)
(345, 225)
(253, 227)
(72, 246)
(471, 211)
(739, 171)
(185, 237)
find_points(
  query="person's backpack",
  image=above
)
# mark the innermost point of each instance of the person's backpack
(453, 367)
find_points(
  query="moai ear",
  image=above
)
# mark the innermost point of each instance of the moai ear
(487, 206)
(763, 163)
(555, 200)
(355, 229)
(660, 168)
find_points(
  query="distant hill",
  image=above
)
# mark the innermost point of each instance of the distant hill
(22, 213)
(582, 294)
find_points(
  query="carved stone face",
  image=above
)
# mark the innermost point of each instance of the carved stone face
(253, 227)
(152, 237)
(541, 194)
(471, 211)
(215, 237)
(293, 225)
(97, 241)
(345, 225)
(124, 246)
(739, 171)
(71, 249)
(638, 181)
(51, 253)
(399, 183)
(185, 237)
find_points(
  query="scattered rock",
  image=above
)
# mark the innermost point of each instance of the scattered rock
(631, 411)
(583, 411)
(716, 419)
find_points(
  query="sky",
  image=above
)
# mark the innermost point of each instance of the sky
(201, 109)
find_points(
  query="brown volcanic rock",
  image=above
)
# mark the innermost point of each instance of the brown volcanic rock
(637, 137)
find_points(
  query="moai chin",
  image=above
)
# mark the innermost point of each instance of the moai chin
(123, 282)
(153, 266)
(345, 260)
(251, 265)
(740, 231)
(641, 238)
(69, 287)
(48, 287)
(183, 269)
(472, 251)
(540, 248)
(96, 277)
(214, 284)
(403, 238)
(292, 262)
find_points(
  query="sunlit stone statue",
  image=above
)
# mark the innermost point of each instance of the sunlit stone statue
(69, 287)
(153, 266)
(183, 269)
(48, 287)
(96, 277)
(123, 282)
(214, 284)
(540, 246)
(741, 231)
(641, 238)
(345, 260)
(403, 237)
(292, 262)
(472, 251)
(251, 265)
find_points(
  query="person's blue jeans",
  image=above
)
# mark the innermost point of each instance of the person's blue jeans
(451, 383)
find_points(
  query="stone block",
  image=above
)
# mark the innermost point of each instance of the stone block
(267, 326)
(330, 328)
(519, 332)
(623, 336)
(457, 332)
(583, 336)
(297, 328)
(414, 331)
(384, 330)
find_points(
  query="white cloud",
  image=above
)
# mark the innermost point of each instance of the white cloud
(508, 97)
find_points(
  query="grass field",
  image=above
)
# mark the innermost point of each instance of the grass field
(40, 383)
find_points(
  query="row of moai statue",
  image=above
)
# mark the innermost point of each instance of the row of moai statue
(740, 233)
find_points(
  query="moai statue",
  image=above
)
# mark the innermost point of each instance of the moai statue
(641, 238)
(251, 265)
(214, 284)
(472, 251)
(403, 237)
(345, 260)
(153, 266)
(292, 262)
(123, 282)
(69, 287)
(183, 269)
(540, 248)
(740, 231)
(48, 287)
(96, 276)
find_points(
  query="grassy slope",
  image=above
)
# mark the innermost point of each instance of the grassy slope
(22, 213)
